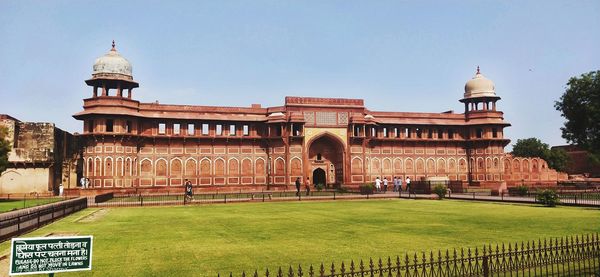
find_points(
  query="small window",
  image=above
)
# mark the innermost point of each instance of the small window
(450, 133)
(109, 125)
(319, 157)
(373, 132)
(494, 132)
(205, 129)
(278, 131)
(232, 130)
(408, 133)
(396, 133)
(357, 131)
(385, 132)
(90, 126)
(246, 130)
(128, 126)
(176, 128)
(190, 129)
(479, 133)
(430, 133)
(162, 128)
(419, 133)
(219, 130)
(440, 133)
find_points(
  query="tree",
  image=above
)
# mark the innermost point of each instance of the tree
(580, 106)
(4, 149)
(533, 147)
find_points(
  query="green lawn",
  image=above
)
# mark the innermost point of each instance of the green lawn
(204, 240)
(15, 204)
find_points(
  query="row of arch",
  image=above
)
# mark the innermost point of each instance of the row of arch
(525, 165)
(219, 166)
(423, 165)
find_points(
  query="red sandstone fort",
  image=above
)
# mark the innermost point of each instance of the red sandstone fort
(127, 145)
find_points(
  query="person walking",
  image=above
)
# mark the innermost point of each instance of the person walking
(189, 192)
(408, 185)
(395, 183)
(297, 186)
(385, 184)
(378, 184)
(307, 186)
(399, 183)
(82, 182)
(87, 183)
(61, 189)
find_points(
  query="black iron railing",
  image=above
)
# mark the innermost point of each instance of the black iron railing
(567, 256)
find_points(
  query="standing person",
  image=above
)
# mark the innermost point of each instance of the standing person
(408, 184)
(395, 183)
(61, 189)
(82, 182)
(399, 183)
(87, 183)
(307, 186)
(189, 192)
(378, 184)
(385, 184)
(297, 186)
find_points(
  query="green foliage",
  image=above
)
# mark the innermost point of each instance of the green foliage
(4, 149)
(548, 198)
(522, 190)
(342, 189)
(533, 147)
(319, 187)
(367, 188)
(580, 106)
(440, 191)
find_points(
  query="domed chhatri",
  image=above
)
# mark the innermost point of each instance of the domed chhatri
(112, 64)
(479, 86)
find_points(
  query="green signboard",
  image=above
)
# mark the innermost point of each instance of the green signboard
(50, 255)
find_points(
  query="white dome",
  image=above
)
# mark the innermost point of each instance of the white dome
(479, 86)
(112, 63)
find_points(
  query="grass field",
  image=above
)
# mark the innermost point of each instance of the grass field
(14, 204)
(204, 240)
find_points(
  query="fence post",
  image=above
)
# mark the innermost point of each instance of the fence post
(334, 195)
(263, 197)
(502, 195)
(486, 266)
(473, 195)
(225, 198)
(575, 199)
(141, 200)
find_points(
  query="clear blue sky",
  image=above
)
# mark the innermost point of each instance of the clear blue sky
(397, 55)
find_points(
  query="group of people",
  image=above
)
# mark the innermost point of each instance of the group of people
(306, 186)
(84, 182)
(397, 184)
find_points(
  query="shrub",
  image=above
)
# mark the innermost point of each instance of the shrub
(522, 190)
(440, 191)
(341, 189)
(548, 198)
(319, 187)
(367, 189)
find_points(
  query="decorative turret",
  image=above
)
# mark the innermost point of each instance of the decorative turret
(480, 94)
(112, 71)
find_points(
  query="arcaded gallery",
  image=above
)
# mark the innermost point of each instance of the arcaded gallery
(129, 144)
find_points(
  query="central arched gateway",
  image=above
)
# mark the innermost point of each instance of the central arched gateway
(326, 155)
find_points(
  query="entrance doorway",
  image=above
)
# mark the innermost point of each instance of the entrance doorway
(319, 176)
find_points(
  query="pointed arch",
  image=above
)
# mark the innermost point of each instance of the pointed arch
(234, 167)
(108, 166)
(176, 167)
(97, 166)
(420, 165)
(375, 166)
(480, 164)
(279, 166)
(496, 162)
(119, 167)
(462, 165)
(295, 166)
(90, 167)
(386, 165)
(205, 167)
(219, 167)
(246, 167)
(441, 165)
(161, 168)
(409, 165)
(191, 166)
(452, 168)
(431, 165)
(146, 166)
(259, 166)
(357, 165)
(397, 165)
(127, 167)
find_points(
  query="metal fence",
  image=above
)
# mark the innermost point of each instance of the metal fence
(18, 222)
(567, 256)
(127, 200)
